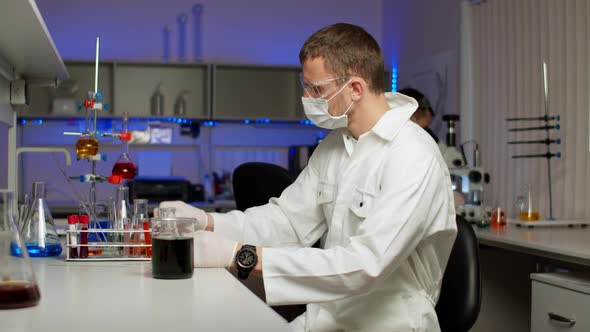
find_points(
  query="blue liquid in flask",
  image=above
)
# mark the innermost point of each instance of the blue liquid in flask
(48, 251)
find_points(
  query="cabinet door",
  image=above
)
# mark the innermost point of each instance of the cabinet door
(136, 83)
(257, 92)
(552, 305)
(71, 92)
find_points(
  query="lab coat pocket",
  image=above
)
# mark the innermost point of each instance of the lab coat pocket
(325, 192)
(325, 197)
(362, 202)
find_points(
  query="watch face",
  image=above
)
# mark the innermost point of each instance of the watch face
(246, 258)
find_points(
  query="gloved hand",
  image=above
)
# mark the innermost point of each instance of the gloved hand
(184, 210)
(213, 250)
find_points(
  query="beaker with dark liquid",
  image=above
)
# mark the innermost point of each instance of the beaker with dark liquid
(172, 248)
(18, 288)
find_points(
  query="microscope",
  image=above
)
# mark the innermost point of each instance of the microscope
(469, 180)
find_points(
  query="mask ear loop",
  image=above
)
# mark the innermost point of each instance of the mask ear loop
(337, 93)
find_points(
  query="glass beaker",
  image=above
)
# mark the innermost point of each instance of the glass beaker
(526, 206)
(172, 248)
(498, 217)
(18, 288)
(39, 231)
(141, 221)
(122, 214)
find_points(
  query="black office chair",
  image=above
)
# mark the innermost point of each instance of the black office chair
(255, 183)
(460, 296)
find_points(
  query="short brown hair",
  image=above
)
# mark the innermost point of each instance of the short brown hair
(347, 50)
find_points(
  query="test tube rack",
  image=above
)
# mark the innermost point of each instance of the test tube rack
(107, 250)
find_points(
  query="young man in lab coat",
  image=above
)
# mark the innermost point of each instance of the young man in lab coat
(376, 185)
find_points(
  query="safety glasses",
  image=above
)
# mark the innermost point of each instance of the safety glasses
(321, 89)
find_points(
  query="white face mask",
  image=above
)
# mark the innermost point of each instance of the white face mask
(316, 110)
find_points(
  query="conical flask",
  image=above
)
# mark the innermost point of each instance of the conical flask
(18, 288)
(39, 230)
(124, 167)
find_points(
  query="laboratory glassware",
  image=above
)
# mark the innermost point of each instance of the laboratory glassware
(527, 206)
(39, 231)
(172, 248)
(122, 213)
(141, 221)
(87, 144)
(18, 288)
(124, 167)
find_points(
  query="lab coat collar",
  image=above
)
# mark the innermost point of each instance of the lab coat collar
(401, 108)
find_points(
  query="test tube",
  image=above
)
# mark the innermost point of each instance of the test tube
(73, 236)
(84, 220)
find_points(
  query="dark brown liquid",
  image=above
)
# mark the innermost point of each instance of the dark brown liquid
(18, 294)
(172, 258)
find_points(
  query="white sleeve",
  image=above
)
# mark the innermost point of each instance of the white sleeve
(292, 220)
(415, 194)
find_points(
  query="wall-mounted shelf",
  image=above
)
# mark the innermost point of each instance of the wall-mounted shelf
(25, 44)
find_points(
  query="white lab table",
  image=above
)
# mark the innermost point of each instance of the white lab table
(123, 296)
(508, 257)
(568, 244)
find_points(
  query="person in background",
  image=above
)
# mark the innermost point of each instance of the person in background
(424, 114)
(377, 186)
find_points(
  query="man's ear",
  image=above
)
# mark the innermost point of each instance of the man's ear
(358, 86)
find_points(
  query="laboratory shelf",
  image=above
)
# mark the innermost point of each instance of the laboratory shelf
(25, 44)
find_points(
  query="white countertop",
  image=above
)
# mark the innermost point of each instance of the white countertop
(570, 244)
(123, 296)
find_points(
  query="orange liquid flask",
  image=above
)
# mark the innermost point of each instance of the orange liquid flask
(86, 146)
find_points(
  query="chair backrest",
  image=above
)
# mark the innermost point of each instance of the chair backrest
(460, 297)
(255, 183)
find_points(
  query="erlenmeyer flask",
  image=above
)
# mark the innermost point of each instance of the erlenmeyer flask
(18, 288)
(124, 167)
(39, 230)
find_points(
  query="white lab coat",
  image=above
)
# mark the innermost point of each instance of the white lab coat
(387, 206)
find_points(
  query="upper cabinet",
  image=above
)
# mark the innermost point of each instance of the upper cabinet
(253, 92)
(27, 51)
(138, 86)
(206, 91)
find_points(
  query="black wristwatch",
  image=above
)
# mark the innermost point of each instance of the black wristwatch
(246, 259)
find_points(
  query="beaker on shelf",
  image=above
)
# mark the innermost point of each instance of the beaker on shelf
(39, 232)
(18, 288)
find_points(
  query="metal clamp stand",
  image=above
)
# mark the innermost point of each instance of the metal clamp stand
(547, 141)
